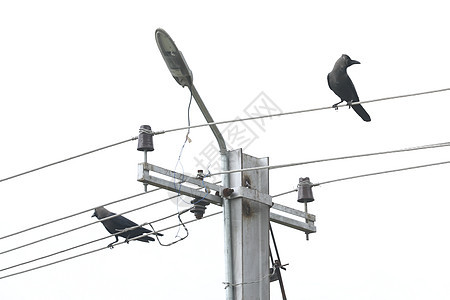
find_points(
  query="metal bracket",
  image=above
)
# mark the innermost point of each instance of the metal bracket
(307, 226)
(144, 176)
(252, 195)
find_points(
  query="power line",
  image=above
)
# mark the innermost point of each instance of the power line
(298, 111)
(423, 147)
(285, 193)
(90, 242)
(383, 172)
(67, 159)
(268, 167)
(89, 224)
(221, 122)
(76, 214)
(231, 171)
(102, 248)
(86, 225)
(367, 175)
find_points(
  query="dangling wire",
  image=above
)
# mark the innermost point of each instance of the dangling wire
(187, 139)
(180, 238)
(189, 120)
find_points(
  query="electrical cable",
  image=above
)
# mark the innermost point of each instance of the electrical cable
(182, 168)
(103, 248)
(85, 225)
(180, 222)
(222, 122)
(298, 111)
(265, 167)
(90, 242)
(285, 193)
(382, 172)
(182, 148)
(89, 224)
(76, 214)
(228, 284)
(70, 158)
(268, 167)
(423, 147)
(367, 175)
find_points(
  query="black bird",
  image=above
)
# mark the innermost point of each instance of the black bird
(341, 84)
(119, 223)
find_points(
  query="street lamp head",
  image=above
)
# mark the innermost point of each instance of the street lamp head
(174, 58)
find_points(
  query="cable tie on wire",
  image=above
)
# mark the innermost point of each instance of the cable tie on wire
(145, 130)
(229, 284)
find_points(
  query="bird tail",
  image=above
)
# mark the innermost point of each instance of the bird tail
(149, 238)
(361, 112)
(146, 239)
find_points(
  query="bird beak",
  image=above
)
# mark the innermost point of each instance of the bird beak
(94, 215)
(353, 62)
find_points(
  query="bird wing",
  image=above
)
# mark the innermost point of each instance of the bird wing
(357, 107)
(328, 80)
(352, 91)
(121, 222)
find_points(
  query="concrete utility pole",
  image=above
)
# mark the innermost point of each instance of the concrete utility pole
(250, 204)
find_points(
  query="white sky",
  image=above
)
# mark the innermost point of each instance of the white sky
(79, 75)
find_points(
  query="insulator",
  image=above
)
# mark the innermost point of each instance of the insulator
(145, 140)
(305, 190)
(200, 174)
(199, 207)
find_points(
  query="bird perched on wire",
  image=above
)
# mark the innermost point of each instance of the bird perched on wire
(341, 84)
(119, 223)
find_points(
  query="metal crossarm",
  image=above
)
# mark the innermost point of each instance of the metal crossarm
(307, 226)
(144, 176)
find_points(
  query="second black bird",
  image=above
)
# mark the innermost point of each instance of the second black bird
(341, 84)
(119, 223)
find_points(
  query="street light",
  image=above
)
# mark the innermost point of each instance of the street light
(174, 58)
(183, 75)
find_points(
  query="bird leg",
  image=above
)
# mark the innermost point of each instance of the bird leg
(110, 246)
(350, 104)
(335, 106)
